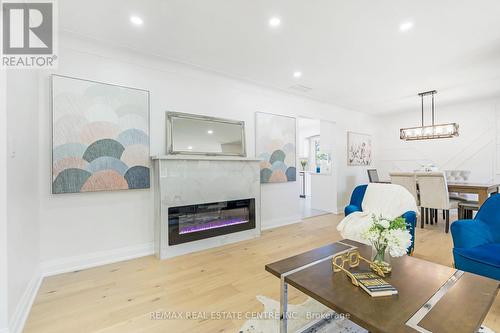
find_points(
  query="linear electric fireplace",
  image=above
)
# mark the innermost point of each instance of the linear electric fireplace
(195, 222)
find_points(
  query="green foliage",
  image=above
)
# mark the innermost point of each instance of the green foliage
(385, 233)
(381, 223)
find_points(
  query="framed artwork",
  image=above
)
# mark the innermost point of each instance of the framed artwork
(275, 146)
(359, 149)
(100, 136)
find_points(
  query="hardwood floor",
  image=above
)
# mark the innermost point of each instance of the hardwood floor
(120, 297)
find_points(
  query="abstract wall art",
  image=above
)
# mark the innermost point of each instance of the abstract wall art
(359, 149)
(275, 147)
(100, 136)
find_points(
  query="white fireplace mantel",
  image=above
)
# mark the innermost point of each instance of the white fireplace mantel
(182, 180)
(204, 158)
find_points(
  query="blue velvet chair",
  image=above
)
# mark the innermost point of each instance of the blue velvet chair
(477, 242)
(355, 206)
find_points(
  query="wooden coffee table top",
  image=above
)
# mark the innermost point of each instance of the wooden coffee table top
(462, 308)
(286, 265)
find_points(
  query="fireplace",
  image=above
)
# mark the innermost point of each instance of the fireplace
(200, 221)
(181, 181)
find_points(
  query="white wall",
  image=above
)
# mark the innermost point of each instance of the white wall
(23, 232)
(3, 206)
(476, 148)
(88, 227)
(350, 176)
(56, 233)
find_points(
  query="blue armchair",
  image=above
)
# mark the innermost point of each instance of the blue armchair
(477, 242)
(355, 206)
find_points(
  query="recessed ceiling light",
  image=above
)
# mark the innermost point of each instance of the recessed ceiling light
(190, 147)
(136, 20)
(274, 21)
(405, 26)
(297, 74)
(210, 132)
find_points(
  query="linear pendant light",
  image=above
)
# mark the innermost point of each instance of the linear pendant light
(428, 132)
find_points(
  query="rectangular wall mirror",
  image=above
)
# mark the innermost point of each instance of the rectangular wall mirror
(200, 135)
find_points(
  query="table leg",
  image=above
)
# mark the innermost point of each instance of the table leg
(482, 196)
(422, 217)
(283, 305)
(447, 227)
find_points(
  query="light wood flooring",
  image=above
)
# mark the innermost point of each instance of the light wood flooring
(120, 297)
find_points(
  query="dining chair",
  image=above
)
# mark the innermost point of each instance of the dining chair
(373, 175)
(408, 181)
(466, 209)
(459, 176)
(434, 195)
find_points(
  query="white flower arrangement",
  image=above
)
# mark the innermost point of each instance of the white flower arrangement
(385, 234)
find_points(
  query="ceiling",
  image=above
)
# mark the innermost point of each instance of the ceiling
(351, 52)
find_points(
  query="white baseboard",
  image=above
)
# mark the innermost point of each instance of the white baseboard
(275, 223)
(23, 308)
(75, 263)
(332, 211)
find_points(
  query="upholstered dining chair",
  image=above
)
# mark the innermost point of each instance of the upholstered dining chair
(408, 181)
(373, 175)
(434, 195)
(460, 176)
(457, 175)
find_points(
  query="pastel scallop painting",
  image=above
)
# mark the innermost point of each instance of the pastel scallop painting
(100, 139)
(275, 147)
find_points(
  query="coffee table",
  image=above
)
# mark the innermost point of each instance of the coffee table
(431, 297)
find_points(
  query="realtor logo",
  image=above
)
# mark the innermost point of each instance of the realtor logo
(28, 34)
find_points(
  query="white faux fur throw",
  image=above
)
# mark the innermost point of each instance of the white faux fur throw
(386, 200)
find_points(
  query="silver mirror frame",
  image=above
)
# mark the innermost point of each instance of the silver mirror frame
(170, 143)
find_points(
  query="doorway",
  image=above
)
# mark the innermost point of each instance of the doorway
(318, 193)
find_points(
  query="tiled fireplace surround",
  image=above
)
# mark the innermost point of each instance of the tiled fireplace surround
(186, 180)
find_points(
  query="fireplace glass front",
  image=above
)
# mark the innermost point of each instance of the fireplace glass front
(195, 222)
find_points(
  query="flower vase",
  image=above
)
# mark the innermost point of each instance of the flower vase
(381, 258)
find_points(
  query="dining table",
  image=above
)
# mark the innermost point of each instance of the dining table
(483, 190)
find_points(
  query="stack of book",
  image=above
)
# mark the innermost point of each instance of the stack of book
(374, 285)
